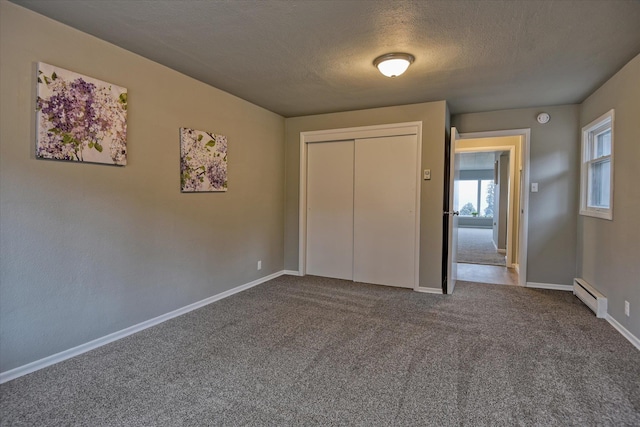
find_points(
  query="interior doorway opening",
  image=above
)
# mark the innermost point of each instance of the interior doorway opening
(485, 199)
(487, 212)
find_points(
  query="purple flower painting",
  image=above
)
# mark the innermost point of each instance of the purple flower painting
(203, 161)
(79, 118)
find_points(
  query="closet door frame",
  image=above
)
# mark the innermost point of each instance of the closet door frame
(344, 134)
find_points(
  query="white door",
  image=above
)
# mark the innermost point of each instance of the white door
(385, 184)
(454, 184)
(330, 209)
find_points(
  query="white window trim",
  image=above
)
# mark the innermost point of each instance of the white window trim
(586, 159)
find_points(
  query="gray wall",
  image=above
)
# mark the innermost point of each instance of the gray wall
(88, 250)
(609, 251)
(553, 210)
(432, 115)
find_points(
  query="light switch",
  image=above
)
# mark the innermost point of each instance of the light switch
(427, 174)
(534, 187)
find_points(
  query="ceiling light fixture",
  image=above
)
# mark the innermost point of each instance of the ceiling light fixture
(393, 64)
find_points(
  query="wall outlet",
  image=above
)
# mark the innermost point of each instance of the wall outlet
(626, 308)
(259, 265)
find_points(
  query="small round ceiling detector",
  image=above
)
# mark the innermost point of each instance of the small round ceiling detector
(543, 118)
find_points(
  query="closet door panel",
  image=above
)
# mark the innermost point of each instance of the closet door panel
(330, 209)
(385, 183)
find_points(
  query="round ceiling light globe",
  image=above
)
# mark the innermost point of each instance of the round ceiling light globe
(393, 64)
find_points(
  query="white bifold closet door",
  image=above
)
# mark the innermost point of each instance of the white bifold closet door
(385, 181)
(330, 209)
(361, 210)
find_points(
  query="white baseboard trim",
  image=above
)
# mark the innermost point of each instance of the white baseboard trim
(428, 290)
(624, 331)
(291, 273)
(501, 251)
(550, 286)
(99, 342)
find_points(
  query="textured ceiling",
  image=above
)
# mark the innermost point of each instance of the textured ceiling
(306, 57)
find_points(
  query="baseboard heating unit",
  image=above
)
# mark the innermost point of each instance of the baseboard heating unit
(591, 297)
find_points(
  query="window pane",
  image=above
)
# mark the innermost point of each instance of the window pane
(603, 144)
(468, 197)
(599, 184)
(596, 192)
(486, 198)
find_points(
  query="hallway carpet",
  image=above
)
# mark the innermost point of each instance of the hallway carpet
(475, 246)
(314, 351)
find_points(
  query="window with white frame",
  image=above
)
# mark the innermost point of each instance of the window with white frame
(596, 187)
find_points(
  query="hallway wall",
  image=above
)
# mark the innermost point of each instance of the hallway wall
(554, 154)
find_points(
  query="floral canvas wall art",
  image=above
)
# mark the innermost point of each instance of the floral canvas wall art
(203, 161)
(80, 118)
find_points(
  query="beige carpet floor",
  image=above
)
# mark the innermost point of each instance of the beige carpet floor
(475, 246)
(314, 351)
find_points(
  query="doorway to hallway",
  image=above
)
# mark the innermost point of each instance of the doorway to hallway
(486, 215)
(485, 197)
